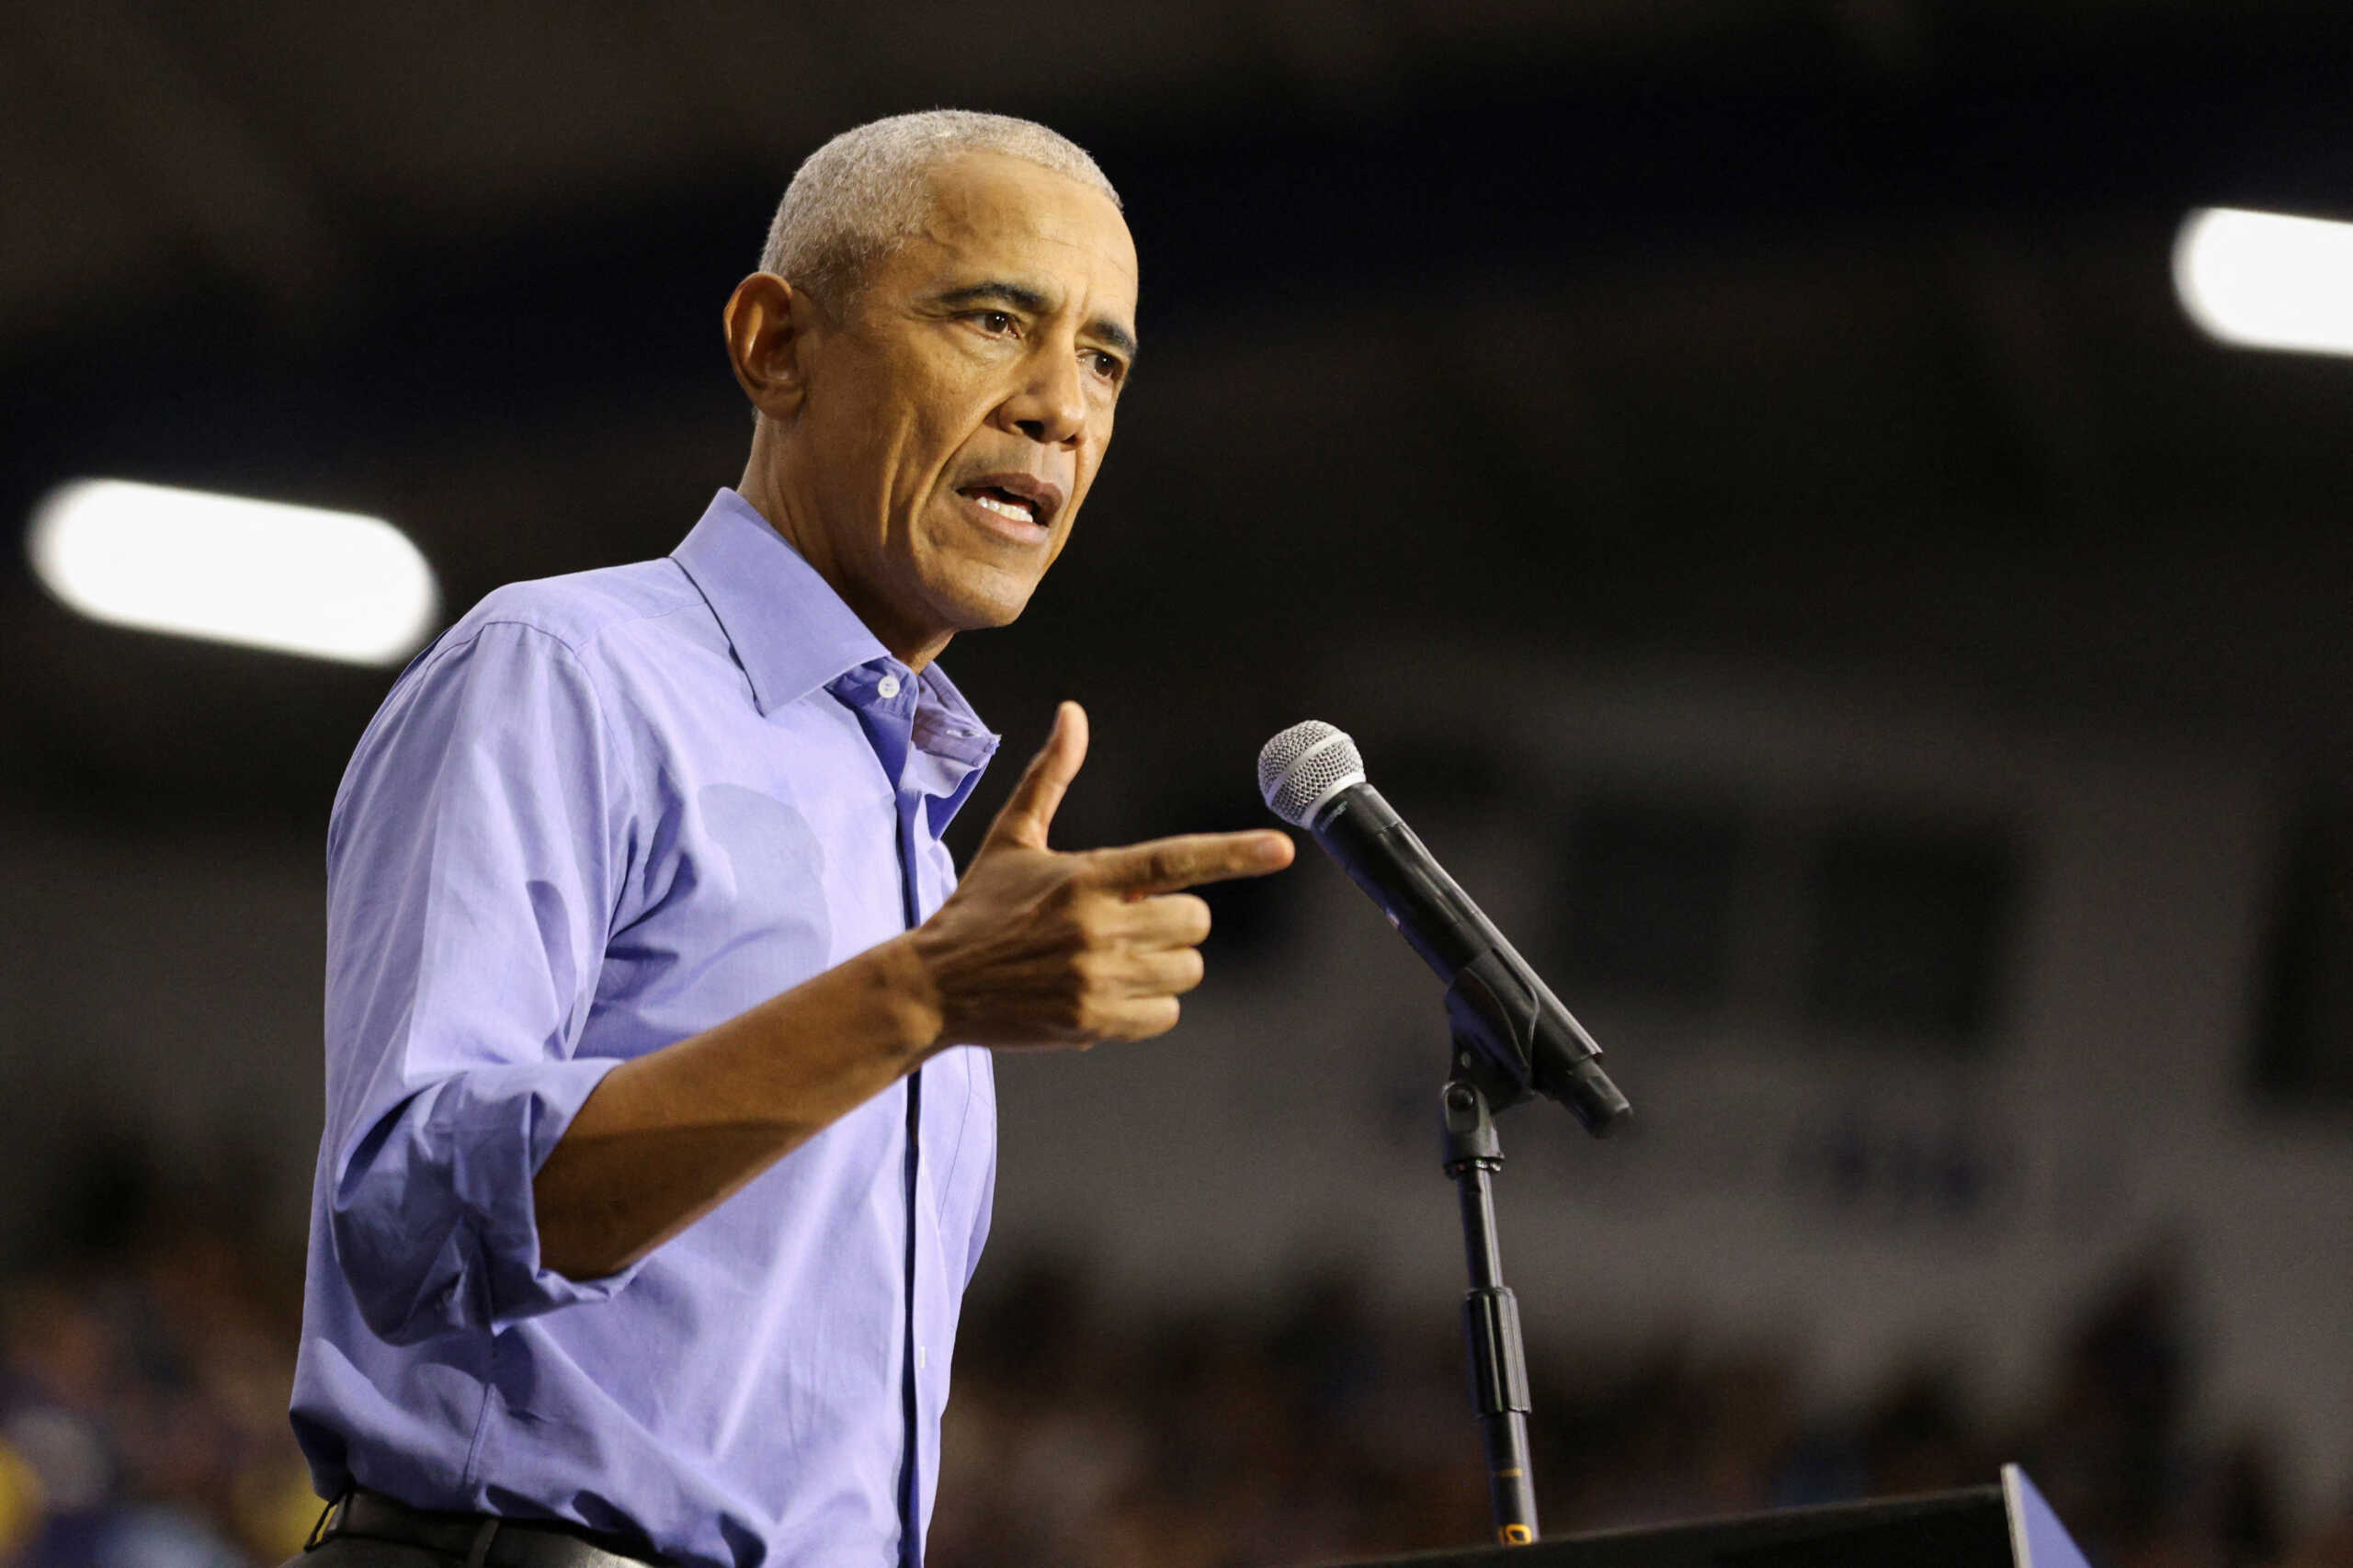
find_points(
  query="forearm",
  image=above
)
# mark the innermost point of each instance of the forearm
(1033, 948)
(666, 1138)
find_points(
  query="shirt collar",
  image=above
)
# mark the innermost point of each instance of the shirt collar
(794, 635)
(790, 631)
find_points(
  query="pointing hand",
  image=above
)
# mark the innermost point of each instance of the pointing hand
(1040, 947)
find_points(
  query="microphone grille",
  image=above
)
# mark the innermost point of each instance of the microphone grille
(1306, 766)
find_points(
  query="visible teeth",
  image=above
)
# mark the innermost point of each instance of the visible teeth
(1013, 509)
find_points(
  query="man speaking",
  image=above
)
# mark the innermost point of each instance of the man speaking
(657, 1153)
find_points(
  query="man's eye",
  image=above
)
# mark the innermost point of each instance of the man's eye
(996, 321)
(1107, 366)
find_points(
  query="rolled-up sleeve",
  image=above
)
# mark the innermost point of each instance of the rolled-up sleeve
(475, 860)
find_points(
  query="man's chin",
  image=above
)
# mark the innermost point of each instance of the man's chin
(984, 600)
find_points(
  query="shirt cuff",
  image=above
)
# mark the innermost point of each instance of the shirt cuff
(507, 1121)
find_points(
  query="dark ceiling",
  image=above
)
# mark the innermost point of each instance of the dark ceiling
(1832, 335)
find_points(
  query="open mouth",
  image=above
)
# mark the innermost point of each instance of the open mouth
(1004, 503)
(1021, 503)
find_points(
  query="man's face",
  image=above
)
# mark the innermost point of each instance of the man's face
(955, 418)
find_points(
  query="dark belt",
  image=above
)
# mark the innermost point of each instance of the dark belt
(479, 1540)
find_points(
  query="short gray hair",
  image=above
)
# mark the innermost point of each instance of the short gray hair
(868, 188)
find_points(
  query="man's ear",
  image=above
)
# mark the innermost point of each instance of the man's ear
(768, 322)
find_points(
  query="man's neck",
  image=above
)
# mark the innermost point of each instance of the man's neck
(762, 488)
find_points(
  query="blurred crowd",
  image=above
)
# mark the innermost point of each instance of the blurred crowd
(1332, 1430)
(148, 1349)
(147, 1355)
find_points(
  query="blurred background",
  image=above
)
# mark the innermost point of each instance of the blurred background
(1740, 471)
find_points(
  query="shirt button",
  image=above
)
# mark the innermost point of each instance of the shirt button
(889, 687)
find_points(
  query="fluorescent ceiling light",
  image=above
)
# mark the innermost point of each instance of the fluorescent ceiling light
(329, 585)
(2266, 280)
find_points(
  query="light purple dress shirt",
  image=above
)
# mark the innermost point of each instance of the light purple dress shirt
(601, 813)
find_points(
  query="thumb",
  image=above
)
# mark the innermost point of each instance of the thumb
(1030, 810)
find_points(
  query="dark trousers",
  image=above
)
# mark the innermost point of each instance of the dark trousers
(351, 1551)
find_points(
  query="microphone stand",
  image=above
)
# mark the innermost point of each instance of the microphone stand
(1490, 1313)
(1493, 1067)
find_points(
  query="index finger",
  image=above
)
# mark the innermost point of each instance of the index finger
(1166, 865)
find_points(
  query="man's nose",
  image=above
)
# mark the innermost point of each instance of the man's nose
(1051, 406)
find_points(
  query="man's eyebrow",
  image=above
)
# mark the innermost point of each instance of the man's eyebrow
(1107, 330)
(1023, 298)
(1020, 296)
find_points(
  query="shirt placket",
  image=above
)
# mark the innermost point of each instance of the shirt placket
(884, 696)
(911, 1351)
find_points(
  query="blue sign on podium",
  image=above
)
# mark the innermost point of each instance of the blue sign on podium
(2037, 1538)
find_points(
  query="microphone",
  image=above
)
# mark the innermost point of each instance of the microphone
(1313, 776)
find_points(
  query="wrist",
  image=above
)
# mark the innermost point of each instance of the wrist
(905, 987)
